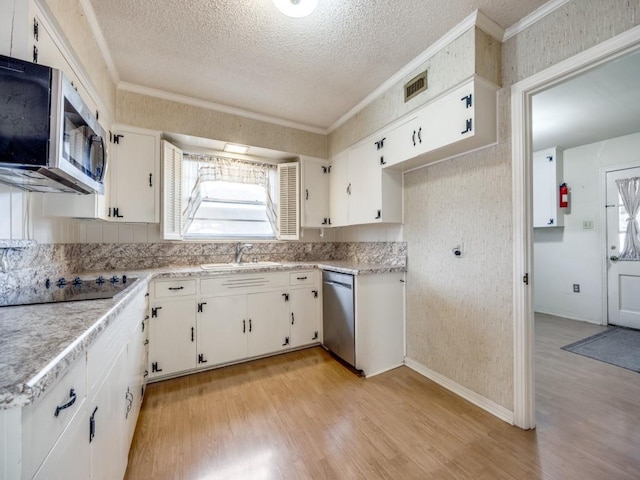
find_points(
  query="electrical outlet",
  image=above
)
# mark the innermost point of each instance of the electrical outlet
(394, 248)
(588, 224)
(576, 288)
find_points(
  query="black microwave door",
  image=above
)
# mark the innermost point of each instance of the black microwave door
(25, 96)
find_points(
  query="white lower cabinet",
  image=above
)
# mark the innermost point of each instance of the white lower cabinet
(230, 318)
(268, 323)
(172, 337)
(81, 427)
(379, 322)
(305, 306)
(106, 424)
(222, 330)
(70, 459)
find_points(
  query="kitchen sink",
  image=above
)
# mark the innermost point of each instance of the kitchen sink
(236, 266)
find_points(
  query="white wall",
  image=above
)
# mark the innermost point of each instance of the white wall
(564, 256)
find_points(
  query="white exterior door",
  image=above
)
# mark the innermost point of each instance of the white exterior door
(623, 275)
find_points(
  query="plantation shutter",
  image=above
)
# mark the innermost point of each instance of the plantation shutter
(171, 192)
(288, 201)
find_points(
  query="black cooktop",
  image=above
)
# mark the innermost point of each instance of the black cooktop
(68, 291)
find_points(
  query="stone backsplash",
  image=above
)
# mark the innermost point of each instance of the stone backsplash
(33, 265)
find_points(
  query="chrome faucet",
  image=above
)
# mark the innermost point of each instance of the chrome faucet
(240, 248)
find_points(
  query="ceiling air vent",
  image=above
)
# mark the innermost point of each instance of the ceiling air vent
(416, 85)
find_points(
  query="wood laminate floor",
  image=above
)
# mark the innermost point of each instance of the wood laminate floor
(304, 415)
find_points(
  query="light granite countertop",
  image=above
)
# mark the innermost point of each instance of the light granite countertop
(39, 342)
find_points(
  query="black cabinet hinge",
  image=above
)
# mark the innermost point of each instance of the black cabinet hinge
(315, 335)
(286, 341)
(380, 143)
(382, 161)
(315, 293)
(469, 126)
(36, 28)
(154, 367)
(286, 297)
(325, 170)
(116, 213)
(201, 358)
(116, 138)
(379, 215)
(468, 100)
(154, 312)
(35, 54)
(200, 305)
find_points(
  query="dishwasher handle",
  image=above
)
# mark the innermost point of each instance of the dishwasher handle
(338, 284)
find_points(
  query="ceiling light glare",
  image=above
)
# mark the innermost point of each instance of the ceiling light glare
(296, 8)
(233, 148)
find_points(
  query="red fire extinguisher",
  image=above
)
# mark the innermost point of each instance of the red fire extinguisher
(564, 196)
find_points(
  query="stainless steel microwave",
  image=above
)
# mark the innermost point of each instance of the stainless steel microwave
(49, 140)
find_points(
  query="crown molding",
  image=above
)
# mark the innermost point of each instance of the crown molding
(90, 14)
(533, 17)
(477, 18)
(174, 97)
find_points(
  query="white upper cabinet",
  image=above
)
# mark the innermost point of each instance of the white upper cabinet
(134, 176)
(547, 177)
(314, 191)
(459, 121)
(361, 191)
(338, 190)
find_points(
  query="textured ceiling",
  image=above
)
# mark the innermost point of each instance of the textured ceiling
(601, 103)
(246, 54)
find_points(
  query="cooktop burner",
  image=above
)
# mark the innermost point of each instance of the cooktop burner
(63, 291)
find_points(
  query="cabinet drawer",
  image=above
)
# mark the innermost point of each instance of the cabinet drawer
(237, 284)
(302, 278)
(44, 421)
(174, 288)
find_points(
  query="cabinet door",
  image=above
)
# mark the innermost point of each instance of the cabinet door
(338, 187)
(222, 330)
(135, 376)
(304, 316)
(365, 199)
(268, 323)
(402, 142)
(134, 176)
(315, 193)
(71, 457)
(172, 343)
(447, 120)
(107, 424)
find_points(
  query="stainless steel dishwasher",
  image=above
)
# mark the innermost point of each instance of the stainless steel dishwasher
(338, 318)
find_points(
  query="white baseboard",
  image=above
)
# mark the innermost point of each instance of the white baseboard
(569, 317)
(469, 395)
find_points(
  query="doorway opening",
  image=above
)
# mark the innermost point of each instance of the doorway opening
(523, 95)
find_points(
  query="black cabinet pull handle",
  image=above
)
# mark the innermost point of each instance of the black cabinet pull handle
(146, 342)
(92, 425)
(301, 278)
(151, 179)
(414, 138)
(244, 326)
(306, 194)
(293, 318)
(59, 408)
(420, 135)
(146, 373)
(192, 331)
(176, 288)
(249, 325)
